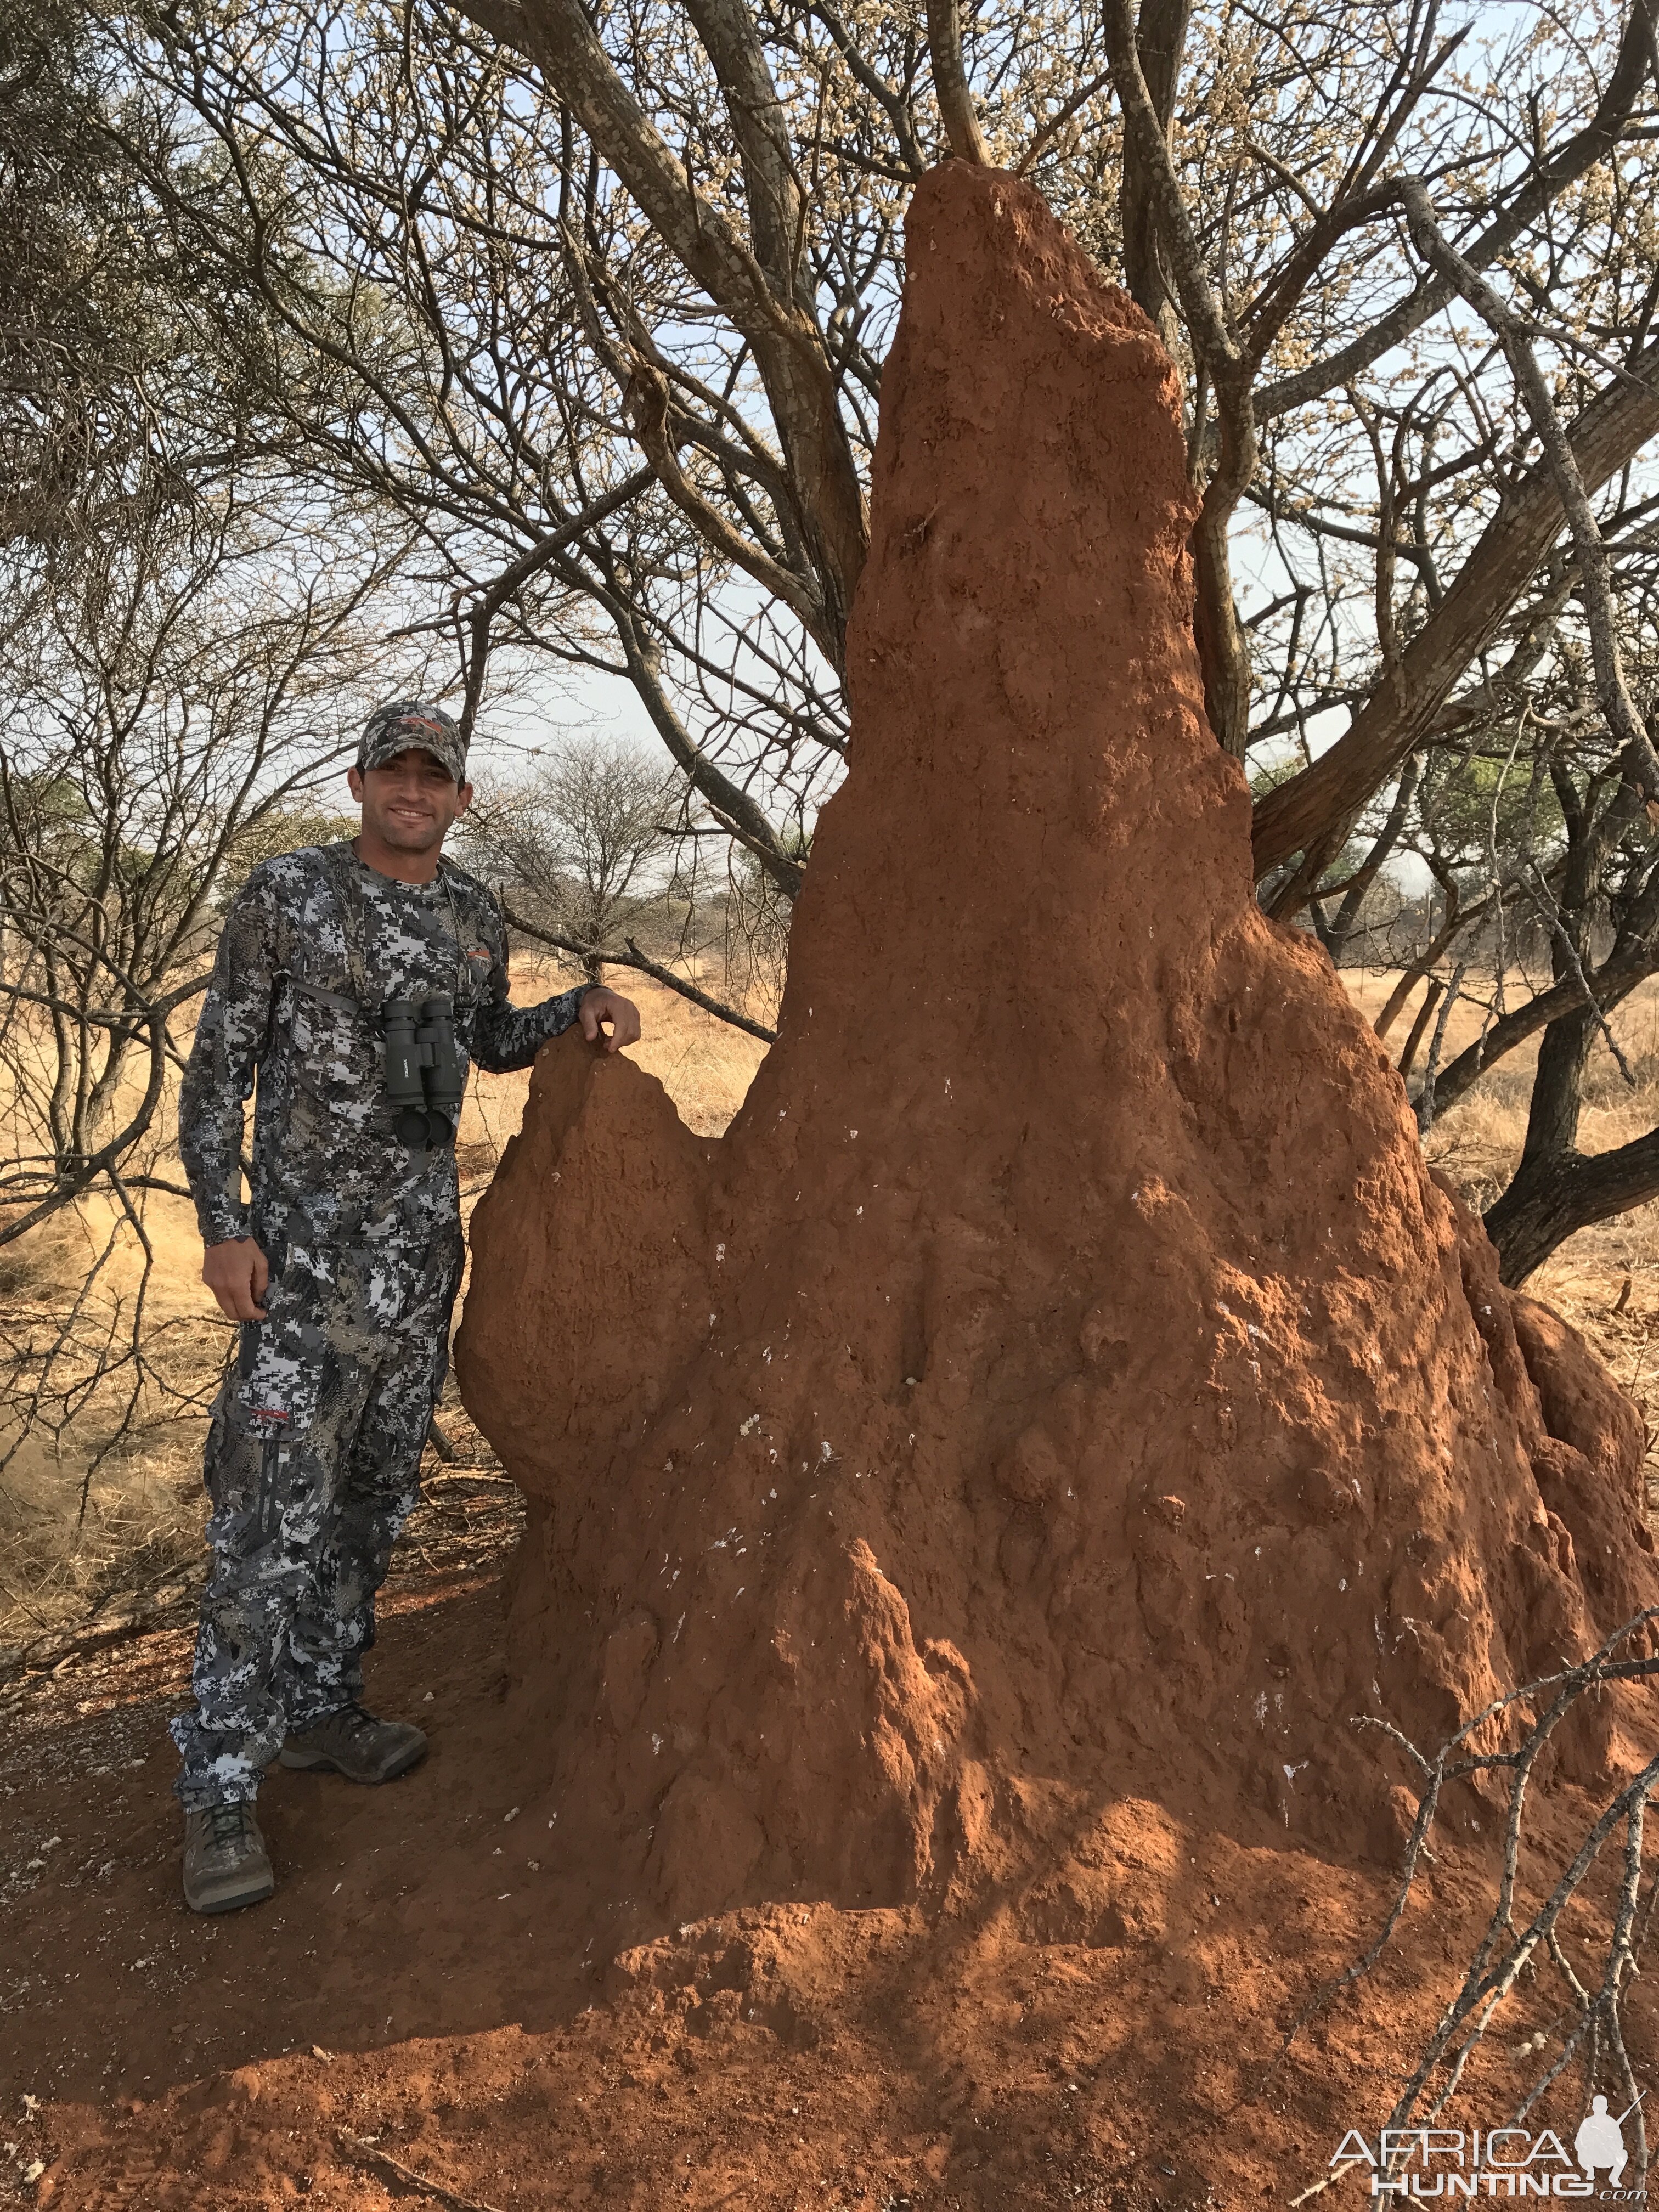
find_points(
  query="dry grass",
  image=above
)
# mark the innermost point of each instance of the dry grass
(1477, 1142)
(65, 1541)
(144, 1506)
(705, 1066)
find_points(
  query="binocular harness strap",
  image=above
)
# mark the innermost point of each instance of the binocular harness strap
(424, 1077)
(324, 998)
(352, 918)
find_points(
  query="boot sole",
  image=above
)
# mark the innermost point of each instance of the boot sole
(316, 1761)
(232, 1901)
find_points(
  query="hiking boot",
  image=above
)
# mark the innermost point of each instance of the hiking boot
(225, 1861)
(353, 1743)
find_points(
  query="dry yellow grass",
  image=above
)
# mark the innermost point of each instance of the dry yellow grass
(705, 1066)
(1478, 1141)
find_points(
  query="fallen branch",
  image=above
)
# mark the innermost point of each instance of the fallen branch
(45, 1654)
(366, 2154)
(1510, 1946)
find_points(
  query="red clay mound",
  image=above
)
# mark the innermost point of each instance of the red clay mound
(1064, 1387)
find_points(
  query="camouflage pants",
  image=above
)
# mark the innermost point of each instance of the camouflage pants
(313, 1466)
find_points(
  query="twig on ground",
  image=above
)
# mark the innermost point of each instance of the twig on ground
(175, 1571)
(46, 1655)
(367, 2154)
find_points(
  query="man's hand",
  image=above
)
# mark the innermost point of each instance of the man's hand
(237, 1272)
(603, 1006)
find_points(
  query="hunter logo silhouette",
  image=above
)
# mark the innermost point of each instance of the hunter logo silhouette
(1601, 2141)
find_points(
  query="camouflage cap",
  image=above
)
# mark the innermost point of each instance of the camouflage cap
(405, 723)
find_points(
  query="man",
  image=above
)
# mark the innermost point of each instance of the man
(342, 1268)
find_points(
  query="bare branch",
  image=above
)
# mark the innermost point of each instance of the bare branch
(631, 956)
(1310, 813)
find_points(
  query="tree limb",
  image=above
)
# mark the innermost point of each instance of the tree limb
(1222, 644)
(557, 36)
(1547, 181)
(1160, 40)
(1556, 1194)
(1640, 762)
(631, 956)
(1311, 812)
(513, 578)
(956, 101)
(647, 402)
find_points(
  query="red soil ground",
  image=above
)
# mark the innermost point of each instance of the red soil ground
(780, 2058)
(970, 1502)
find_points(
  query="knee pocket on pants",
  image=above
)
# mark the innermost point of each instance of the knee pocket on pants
(234, 1461)
(257, 1471)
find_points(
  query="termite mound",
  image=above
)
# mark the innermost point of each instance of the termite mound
(1064, 1385)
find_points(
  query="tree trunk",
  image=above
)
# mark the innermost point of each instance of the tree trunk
(1223, 643)
(1161, 38)
(1556, 1189)
(1613, 982)
(1425, 1012)
(1554, 1193)
(956, 100)
(1558, 1087)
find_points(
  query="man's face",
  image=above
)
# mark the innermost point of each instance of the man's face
(411, 801)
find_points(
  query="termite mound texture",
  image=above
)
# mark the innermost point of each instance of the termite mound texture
(1064, 1383)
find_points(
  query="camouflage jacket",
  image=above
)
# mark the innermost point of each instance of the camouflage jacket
(312, 944)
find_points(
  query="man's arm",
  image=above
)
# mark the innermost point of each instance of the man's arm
(505, 1036)
(218, 1079)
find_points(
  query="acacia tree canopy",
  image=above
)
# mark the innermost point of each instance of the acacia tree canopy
(601, 298)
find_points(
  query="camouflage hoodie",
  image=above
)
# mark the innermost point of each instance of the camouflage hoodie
(312, 944)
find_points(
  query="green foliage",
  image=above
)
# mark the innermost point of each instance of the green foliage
(1470, 811)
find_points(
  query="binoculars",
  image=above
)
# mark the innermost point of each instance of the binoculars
(424, 1082)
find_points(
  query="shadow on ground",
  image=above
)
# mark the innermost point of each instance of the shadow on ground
(414, 1909)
